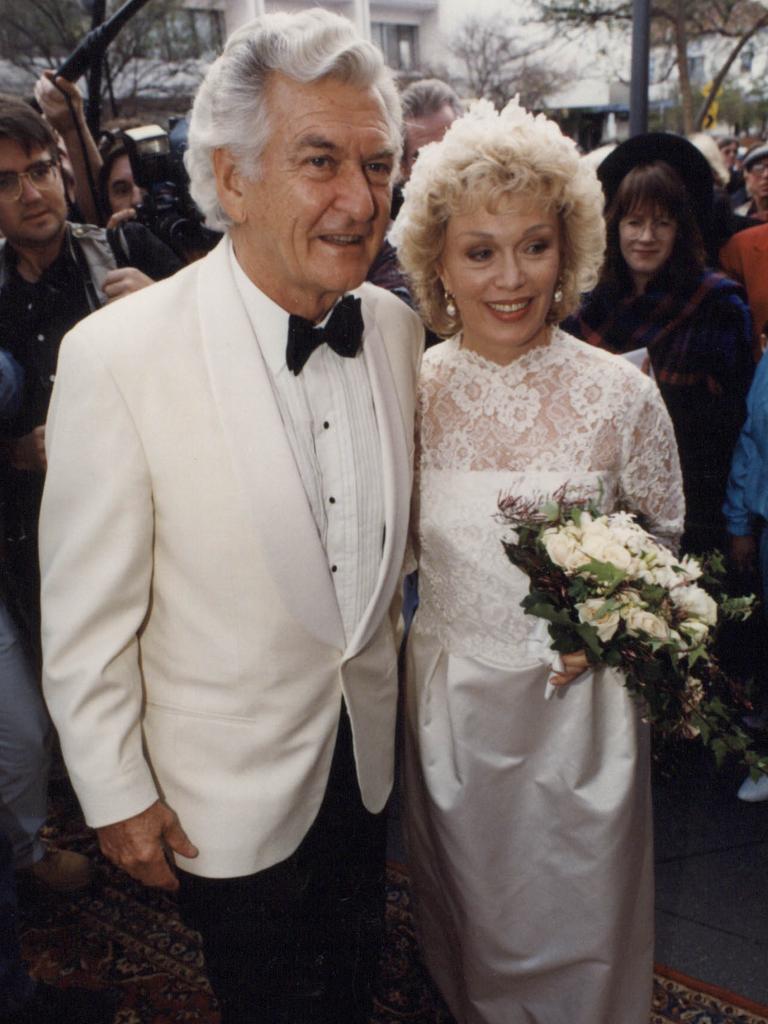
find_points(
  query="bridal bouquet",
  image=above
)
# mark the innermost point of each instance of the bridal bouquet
(604, 585)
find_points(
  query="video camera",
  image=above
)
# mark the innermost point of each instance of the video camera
(167, 209)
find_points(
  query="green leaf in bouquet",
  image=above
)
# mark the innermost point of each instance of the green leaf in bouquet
(651, 593)
(705, 729)
(536, 604)
(591, 639)
(612, 657)
(604, 572)
(712, 566)
(758, 765)
(696, 654)
(655, 643)
(565, 640)
(720, 749)
(737, 609)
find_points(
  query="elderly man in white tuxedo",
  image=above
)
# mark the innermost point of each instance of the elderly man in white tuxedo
(223, 529)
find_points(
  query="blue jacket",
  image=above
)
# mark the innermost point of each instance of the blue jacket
(11, 385)
(746, 497)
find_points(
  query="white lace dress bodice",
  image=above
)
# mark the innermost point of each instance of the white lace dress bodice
(527, 818)
(564, 414)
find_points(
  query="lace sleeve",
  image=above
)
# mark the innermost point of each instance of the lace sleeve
(651, 482)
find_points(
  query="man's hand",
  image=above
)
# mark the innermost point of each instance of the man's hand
(743, 551)
(138, 845)
(28, 452)
(122, 282)
(53, 100)
(573, 665)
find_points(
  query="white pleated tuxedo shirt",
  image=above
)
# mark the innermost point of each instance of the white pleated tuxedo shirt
(330, 422)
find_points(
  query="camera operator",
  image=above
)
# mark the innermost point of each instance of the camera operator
(52, 274)
(119, 195)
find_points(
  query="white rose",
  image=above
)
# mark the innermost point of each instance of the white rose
(658, 554)
(559, 546)
(640, 621)
(694, 630)
(563, 550)
(595, 527)
(603, 548)
(572, 530)
(696, 603)
(618, 555)
(664, 576)
(606, 625)
(631, 599)
(619, 519)
(691, 567)
(625, 531)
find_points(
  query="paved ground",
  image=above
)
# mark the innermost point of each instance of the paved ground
(711, 878)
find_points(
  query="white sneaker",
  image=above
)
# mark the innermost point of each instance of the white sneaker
(753, 792)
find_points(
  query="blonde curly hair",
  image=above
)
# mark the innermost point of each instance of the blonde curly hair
(484, 157)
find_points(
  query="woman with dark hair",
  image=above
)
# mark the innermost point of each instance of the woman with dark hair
(119, 195)
(657, 302)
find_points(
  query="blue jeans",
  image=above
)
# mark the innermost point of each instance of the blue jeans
(24, 748)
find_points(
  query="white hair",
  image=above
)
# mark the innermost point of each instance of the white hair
(230, 109)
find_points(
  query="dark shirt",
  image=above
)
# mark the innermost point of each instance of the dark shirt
(34, 317)
(387, 273)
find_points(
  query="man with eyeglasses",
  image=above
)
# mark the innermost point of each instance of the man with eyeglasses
(756, 179)
(52, 275)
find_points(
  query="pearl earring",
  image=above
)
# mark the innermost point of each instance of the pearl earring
(450, 305)
(558, 296)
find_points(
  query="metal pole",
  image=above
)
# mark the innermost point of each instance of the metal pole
(638, 89)
(362, 18)
(93, 107)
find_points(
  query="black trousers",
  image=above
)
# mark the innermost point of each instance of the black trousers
(299, 942)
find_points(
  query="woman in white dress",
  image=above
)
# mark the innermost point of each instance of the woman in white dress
(528, 819)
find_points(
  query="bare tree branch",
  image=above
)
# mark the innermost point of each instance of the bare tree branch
(674, 24)
(497, 66)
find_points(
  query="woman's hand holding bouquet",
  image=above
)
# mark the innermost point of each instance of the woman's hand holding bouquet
(605, 586)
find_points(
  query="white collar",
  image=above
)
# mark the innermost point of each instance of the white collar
(269, 321)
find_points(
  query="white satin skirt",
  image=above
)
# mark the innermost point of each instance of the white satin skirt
(529, 831)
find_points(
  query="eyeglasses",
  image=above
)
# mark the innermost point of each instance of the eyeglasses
(761, 168)
(636, 225)
(41, 175)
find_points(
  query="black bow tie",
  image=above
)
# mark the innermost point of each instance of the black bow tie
(343, 332)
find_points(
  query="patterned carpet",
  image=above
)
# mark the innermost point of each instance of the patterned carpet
(122, 936)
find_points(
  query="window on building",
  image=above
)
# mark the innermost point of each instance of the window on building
(398, 43)
(696, 69)
(746, 57)
(186, 33)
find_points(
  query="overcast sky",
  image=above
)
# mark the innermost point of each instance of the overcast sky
(583, 57)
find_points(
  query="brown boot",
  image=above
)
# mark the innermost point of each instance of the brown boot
(61, 871)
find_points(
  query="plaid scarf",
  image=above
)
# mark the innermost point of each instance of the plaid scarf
(688, 332)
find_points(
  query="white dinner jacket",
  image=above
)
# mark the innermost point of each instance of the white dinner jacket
(193, 642)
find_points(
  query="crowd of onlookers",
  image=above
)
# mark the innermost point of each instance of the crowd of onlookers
(684, 292)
